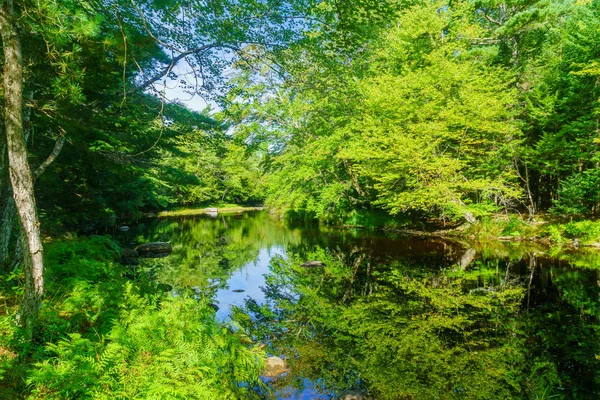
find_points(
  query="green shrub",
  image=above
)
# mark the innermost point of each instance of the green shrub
(102, 335)
(554, 233)
(584, 230)
(173, 349)
(514, 227)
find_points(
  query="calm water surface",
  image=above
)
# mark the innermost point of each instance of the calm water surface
(392, 317)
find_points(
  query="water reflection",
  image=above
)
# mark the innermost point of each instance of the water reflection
(208, 250)
(395, 317)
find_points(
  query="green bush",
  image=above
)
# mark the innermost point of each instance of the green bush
(584, 230)
(578, 194)
(554, 233)
(514, 227)
(105, 334)
(173, 349)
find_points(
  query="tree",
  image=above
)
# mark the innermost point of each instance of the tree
(436, 129)
(421, 120)
(20, 173)
(141, 45)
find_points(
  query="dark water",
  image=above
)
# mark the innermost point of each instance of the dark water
(393, 317)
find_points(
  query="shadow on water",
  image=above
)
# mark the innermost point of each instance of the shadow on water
(393, 317)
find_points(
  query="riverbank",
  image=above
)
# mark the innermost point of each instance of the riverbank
(227, 209)
(545, 229)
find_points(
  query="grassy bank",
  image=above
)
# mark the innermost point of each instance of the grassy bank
(108, 331)
(222, 209)
(547, 230)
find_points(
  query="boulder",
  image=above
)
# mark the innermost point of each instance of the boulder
(467, 258)
(275, 366)
(470, 218)
(154, 249)
(311, 264)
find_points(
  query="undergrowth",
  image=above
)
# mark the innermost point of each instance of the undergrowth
(106, 332)
(556, 232)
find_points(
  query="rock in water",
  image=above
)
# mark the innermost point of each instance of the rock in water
(275, 366)
(197, 289)
(238, 291)
(470, 218)
(154, 249)
(213, 306)
(310, 264)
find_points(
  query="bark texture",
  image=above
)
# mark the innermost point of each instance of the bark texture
(19, 170)
(7, 215)
(9, 211)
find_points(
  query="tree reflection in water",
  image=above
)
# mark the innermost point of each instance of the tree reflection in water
(397, 317)
(494, 329)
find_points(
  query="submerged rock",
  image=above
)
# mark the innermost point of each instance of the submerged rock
(154, 249)
(275, 366)
(311, 264)
(196, 289)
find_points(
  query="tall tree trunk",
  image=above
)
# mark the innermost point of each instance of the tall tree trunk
(19, 254)
(9, 210)
(8, 214)
(19, 170)
(6, 203)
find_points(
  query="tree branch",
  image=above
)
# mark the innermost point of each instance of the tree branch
(492, 20)
(58, 145)
(180, 57)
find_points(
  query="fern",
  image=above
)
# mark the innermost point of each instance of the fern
(175, 350)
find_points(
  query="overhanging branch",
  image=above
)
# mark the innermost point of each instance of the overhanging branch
(58, 145)
(180, 57)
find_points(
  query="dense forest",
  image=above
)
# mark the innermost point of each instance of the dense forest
(372, 113)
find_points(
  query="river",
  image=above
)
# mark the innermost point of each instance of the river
(392, 316)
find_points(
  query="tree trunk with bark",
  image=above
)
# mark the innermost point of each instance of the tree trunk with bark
(9, 211)
(19, 170)
(6, 203)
